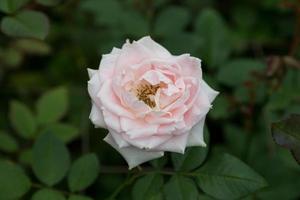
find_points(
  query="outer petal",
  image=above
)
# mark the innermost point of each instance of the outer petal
(96, 117)
(108, 64)
(196, 135)
(94, 86)
(132, 155)
(175, 144)
(154, 47)
(91, 72)
(111, 120)
(211, 93)
(118, 139)
(191, 66)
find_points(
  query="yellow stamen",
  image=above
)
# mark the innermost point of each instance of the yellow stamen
(145, 91)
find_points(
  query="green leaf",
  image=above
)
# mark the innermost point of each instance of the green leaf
(8, 143)
(47, 194)
(192, 158)
(48, 2)
(159, 162)
(26, 23)
(32, 46)
(52, 105)
(147, 187)
(51, 159)
(10, 6)
(12, 57)
(65, 132)
(22, 119)
(134, 24)
(25, 157)
(286, 133)
(236, 72)
(220, 108)
(165, 26)
(83, 172)
(14, 182)
(79, 197)
(180, 188)
(216, 46)
(234, 134)
(106, 12)
(226, 177)
(182, 42)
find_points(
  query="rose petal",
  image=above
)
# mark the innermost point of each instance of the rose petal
(137, 128)
(108, 64)
(175, 144)
(191, 66)
(93, 88)
(91, 72)
(196, 135)
(132, 155)
(155, 77)
(131, 54)
(111, 102)
(111, 120)
(154, 47)
(96, 117)
(211, 93)
(118, 139)
(150, 142)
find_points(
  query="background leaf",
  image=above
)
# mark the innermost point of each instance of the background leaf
(236, 72)
(216, 46)
(51, 159)
(83, 172)
(180, 188)
(286, 133)
(25, 157)
(8, 143)
(165, 26)
(147, 187)
(79, 197)
(33, 46)
(48, 2)
(10, 6)
(107, 12)
(26, 23)
(65, 132)
(52, 105)
(47, 194)
(14, 183)
(22, 119)
(226, 177)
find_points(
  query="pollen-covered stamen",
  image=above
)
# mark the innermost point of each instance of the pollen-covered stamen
(145, 92)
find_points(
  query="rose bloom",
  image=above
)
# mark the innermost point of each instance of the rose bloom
(149, 100)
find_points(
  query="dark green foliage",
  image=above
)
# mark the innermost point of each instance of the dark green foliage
(14, 182)
(147, 187)
(22, 119)
(51, 159)
(226, 177)
(26, 24)
(83, 172)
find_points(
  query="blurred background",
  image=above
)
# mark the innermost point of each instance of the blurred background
(249, 49)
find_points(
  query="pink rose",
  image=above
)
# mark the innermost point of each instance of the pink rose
(149, 100)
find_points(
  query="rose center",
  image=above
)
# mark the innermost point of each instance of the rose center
(145, 92)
